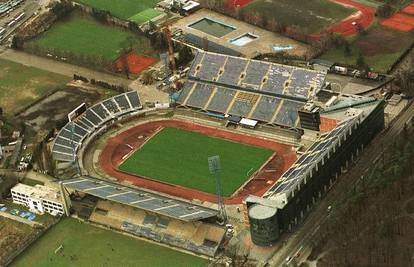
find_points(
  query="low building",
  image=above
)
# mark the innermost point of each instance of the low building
(38, 198)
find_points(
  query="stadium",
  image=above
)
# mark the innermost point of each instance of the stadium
(282, 136)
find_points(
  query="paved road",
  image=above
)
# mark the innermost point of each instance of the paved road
(301, 239)
(44, 178)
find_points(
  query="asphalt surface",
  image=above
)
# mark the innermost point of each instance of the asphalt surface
(301, 239)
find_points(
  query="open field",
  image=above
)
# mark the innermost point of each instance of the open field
(46, 113)
(83, 36)
(179, 157)
(309, 16)
(86, 245)
(121, 8)
(20, 85)
(380, 46)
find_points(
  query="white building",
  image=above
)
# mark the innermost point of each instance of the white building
(38, 198)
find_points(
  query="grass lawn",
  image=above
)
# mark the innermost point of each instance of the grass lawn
(121, 8)
(83, 35)
(145, 16)
(86, 245)
(20, 85)
(179, 157)
(310, 16)
(380, 46)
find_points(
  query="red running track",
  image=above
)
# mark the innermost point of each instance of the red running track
(364, 17)
(237, 3)
(116, 149)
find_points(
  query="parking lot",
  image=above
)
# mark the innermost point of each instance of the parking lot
(12, 19)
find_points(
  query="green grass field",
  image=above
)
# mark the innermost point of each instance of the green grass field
(145, 16)
(20, 85)
(121, 8)
(380, 46)
(82, 35)
(310, 16)
(88, 246)
(179, 157)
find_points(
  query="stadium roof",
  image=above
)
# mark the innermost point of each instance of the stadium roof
(141, 199)
(72, 135)
(258, 90)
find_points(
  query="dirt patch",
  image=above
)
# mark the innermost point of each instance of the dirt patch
(134, 63)
(399, 22)
(119, 146)
(381, 40)
(44, 114)
(409, 9)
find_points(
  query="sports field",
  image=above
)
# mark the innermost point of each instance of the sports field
(81, 35)
(380, 46)
(85, 246)
(20, 85)
(122, 8)
(310, 16)
(145, 16)
(179, 157)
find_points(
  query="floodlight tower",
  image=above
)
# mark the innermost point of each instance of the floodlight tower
(215, 168)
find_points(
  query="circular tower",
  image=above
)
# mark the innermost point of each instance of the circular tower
(264, 228)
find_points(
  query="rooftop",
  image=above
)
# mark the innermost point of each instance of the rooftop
(39, 192)
(139, 198)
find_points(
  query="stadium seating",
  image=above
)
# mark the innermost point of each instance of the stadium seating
(71, 136)
(215, 82)
(197, 237)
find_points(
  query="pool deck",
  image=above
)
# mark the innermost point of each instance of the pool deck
(263, 43)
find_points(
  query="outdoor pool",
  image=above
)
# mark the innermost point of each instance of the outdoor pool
(244, 39)
(212, 27)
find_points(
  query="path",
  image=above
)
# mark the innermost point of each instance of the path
(59, 67)
(147, 93)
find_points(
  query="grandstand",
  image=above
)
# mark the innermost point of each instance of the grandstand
(151, 215)
(71, 136)
(345, 128)
(267, 92)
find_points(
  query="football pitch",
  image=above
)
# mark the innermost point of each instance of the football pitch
(82, 35)
(86, 245)
(121, 8)
(179, 157)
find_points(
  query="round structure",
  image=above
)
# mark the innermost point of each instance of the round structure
(264, 228)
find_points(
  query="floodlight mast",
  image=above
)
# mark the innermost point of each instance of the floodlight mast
(215, 168)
